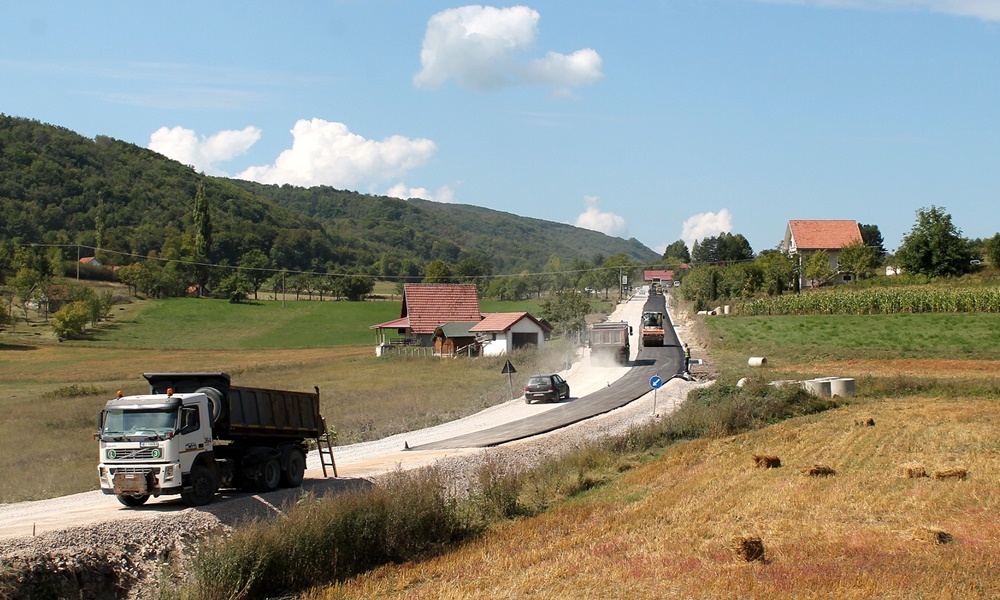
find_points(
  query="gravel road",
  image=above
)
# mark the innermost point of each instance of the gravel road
(99, 549)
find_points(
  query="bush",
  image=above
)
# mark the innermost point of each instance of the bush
(70, 321)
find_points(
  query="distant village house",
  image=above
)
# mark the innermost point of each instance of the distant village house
(806, 237)
(447, 318)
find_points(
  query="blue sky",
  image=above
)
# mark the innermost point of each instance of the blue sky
(667, 120)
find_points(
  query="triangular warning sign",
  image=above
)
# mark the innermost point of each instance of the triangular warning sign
(508, 368)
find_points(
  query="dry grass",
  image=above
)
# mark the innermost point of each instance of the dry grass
(51, 394)
(666, 529)
(766, 461)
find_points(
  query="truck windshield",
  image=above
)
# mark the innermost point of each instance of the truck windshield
(139, 422)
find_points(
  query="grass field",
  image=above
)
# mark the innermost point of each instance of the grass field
(51, 392)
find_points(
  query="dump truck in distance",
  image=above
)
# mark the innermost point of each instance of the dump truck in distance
(652, 329)
(609, 341)
(196, 433)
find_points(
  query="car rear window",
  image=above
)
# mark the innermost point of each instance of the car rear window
(539, 381)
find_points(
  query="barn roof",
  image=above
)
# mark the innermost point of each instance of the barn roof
(504, 321)
(823, 235)
(428, 305)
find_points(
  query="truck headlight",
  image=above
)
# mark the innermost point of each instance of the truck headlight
(168, 472)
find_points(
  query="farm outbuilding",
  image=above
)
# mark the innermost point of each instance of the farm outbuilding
(455, 338)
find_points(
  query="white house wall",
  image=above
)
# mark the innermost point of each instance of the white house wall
(505, 339)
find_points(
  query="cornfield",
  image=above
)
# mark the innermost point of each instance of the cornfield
(875, 301)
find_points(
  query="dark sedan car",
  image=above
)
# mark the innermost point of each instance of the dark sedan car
(548, 388)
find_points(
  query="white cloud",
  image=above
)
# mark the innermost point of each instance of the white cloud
(327, 153)
(443, 194)
(987, 10)
(605, 222)
(204, 154)
(481, 48)
(705, 225)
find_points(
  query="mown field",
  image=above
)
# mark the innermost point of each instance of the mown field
(50, 392)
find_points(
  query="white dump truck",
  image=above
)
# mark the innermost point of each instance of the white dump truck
(195, 433)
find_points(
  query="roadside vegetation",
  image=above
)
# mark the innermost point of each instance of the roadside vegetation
(670, 504)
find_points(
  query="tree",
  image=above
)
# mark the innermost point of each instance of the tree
(993, 251)
(722, 249)
(566, 310)
(934, 246)
(27, 283)
(70, 321)
(701, 286)
(234, 286)
(778, 269)
(872, 238)
(203, 239)
(437, 271)
(254, 264)
(677, 253)
(354, 287)
(817, 268)
(859, 258)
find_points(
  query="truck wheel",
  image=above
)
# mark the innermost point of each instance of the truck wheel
(268, 476)
(203, 487)
(293, 475)
(132, 501)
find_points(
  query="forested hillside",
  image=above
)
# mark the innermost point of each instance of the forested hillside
(57, 187)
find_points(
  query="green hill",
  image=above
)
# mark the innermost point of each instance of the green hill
(57, 187)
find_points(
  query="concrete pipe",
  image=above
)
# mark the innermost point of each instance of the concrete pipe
(842, 386)
(819, 387)
(757, 361)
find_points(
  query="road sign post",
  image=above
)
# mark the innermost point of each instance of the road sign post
(655, 382)
(509, 370)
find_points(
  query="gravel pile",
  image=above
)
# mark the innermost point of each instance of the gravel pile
(117, 559)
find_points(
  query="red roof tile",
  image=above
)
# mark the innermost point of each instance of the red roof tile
(824, 235)
(650, 274)
(504, 321)
(430, 304)
(401, 323)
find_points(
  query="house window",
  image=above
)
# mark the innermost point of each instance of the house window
(848, 278)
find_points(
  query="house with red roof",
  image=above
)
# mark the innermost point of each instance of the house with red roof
(803, 238)
(499, 333)
(447, 317)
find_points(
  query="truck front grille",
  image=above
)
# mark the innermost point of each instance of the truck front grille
(135, 470)
(137, 454)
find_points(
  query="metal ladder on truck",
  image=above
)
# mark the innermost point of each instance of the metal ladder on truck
(326, 451)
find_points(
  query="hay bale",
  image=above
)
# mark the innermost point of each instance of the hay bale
(766, 461)
(951, 474)
(933, 535)
(865, 422)
(748, 548)
(819, 471)
(913, 471)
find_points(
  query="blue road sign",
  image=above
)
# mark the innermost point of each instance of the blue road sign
(655, 382)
